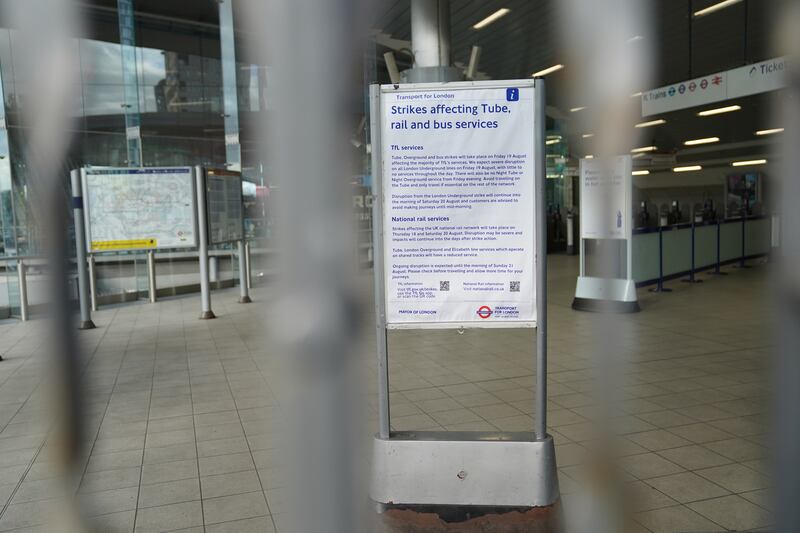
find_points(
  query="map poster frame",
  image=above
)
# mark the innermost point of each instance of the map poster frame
(98, 241)
(217, 235)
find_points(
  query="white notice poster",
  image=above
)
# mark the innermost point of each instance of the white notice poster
(606, 198)
(458, 205)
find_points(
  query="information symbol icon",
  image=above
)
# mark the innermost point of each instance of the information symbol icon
(512, 94)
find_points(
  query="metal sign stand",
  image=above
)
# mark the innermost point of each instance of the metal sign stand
(494, 469)
(599, 294)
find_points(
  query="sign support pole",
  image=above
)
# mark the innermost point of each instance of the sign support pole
(384, 430)
(202, 245)
(541, 266)
(23, 290)
(93, 282)
(151, 275)
(76, 177)
(244, 297)
(247, 265)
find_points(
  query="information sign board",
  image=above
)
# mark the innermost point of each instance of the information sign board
(224, 205)
(606, 197)
(457, 181)
(139, 208)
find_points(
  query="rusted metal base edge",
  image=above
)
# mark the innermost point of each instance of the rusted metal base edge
(468, 519)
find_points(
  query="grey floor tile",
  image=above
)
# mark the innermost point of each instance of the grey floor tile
(735, 477)
(228, 484)
(733, 512)
(694, 457)
(183, 490)
(170, 517)
(261, 524)
(235, 507)
(174, 471)
(687, 487)
(675, 519)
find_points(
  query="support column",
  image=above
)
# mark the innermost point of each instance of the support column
(130, 82)
(230, 97)
(430, 43)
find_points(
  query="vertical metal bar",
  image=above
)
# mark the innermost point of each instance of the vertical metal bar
(202, 245)
(151, 275)
(248, 270)
(541, 261)
(76, 178)
(93, 282)
(692, 277)
(717, 271)
(244, 295)
(744, 219)
(384, 427)
(23, 290)
(691, 273)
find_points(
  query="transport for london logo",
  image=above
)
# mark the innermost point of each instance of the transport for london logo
(484, 311)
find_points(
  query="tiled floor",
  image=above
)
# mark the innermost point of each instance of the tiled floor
(182, 415)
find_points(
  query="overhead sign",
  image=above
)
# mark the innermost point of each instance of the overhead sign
(606, 197)
(744, 81)
(139, 208)
(458, 204)
(224, 206)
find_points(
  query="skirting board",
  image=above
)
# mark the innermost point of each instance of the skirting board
(479, 469)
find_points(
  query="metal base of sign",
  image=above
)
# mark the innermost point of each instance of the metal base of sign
(591, 305)
(605, 295)
(207, 315)
(86, 324)
(464, 469)
(245, 300)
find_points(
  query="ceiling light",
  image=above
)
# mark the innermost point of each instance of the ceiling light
(552, 141)
(707, 140)
(719, 110)
(644, 149)
(716, 7)
(548, 70)
(690, 168)
(651, 123)
(749, 163)
(636, 95)
(640, 172)
(637, 156)
(769, 132)
(576, 109)
(590, 156)
(500, 13)
(587, 135)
